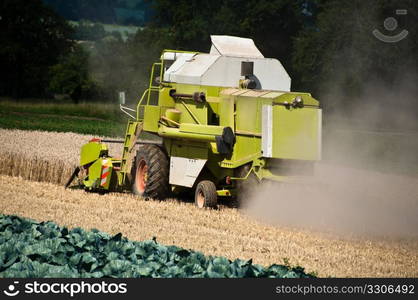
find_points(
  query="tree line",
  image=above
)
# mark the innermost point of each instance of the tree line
(125, 12)
(327, 47)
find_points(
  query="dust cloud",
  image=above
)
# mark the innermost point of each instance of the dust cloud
(340, 199)
(367, 180)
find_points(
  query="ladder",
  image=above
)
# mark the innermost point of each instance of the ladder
(133, 130)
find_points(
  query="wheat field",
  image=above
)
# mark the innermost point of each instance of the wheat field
(224, 232)
(50, 158)
(43, 156)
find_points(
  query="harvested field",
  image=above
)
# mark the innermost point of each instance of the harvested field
(224, 232)
(51, 157)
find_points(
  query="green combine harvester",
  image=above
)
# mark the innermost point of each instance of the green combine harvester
(220, 121)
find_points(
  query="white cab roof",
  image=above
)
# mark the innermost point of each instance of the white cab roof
(222, 66)
(234, 46)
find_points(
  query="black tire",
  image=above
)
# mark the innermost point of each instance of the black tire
(205, 194)
(150, 173)
(245, 188)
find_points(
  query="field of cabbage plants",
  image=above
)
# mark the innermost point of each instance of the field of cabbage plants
(43, 249)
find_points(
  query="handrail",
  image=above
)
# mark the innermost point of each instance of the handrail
(147, 91)
(140, 103)
(152, 77)
(124, 108)
(151, 87)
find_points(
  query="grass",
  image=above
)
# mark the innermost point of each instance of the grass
(86, 118)
(61, 124)
(94, 110)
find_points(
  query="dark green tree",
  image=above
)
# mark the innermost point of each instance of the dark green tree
(188, 25)
(89, 31)
(271, 24)
(32, 37)
(93, 10)
(125, 66)
(340, 60)
(71, 75)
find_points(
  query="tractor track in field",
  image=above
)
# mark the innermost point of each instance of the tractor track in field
(40, 156)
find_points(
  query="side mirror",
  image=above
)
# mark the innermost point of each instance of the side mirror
(122, 98)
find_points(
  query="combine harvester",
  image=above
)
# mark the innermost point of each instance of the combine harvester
(220, 121)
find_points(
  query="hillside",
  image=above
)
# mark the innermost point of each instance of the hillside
(122, 12)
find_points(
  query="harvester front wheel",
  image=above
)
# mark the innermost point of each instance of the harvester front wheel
(150, 173)
(205, 194)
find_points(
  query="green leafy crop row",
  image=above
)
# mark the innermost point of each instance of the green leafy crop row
(43, 249)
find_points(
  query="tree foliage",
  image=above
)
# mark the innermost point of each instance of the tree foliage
(125, 66)
(94, 10)
(71, 75)
(89, 31)
(340, 59)
(32, 37)
(327, 47)
(126, 12)
(271, 24)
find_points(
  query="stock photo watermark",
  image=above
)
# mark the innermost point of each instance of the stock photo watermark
(70, 289)
(391, 24)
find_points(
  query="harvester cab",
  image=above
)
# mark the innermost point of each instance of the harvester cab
(215, 122)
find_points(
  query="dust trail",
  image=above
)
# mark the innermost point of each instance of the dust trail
(367, 182)
(342, 200)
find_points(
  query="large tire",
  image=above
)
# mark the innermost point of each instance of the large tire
(205, 194)
(150, 173)
(245, 188)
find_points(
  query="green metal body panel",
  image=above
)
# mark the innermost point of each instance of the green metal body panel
(201, 129)
(192, 112)
(101, 173)
(296, 133)
(294, 137)
(93, 179)
(92, 151)
(189, 150)
(164, 99)
(224, 193)
(248, 115)
(176, 133)
(190, 129)
(246, 149)
(152, 114)
(226, 111)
